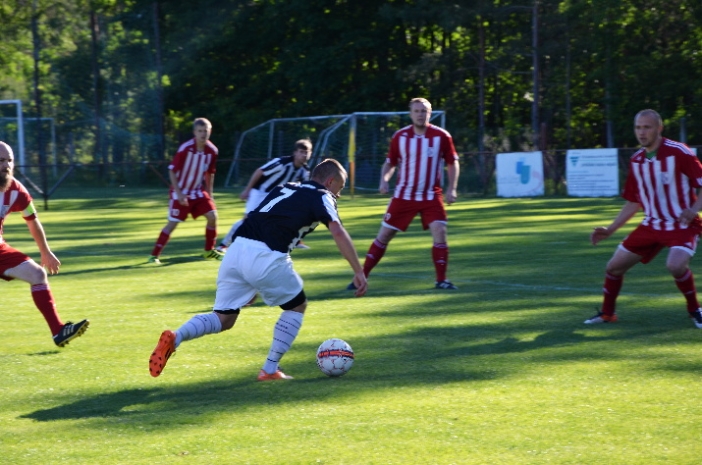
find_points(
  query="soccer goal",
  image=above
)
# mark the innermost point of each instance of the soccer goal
(358, 140)
(361, 143)
(272, 139)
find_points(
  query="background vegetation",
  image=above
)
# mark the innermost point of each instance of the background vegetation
(122, 79)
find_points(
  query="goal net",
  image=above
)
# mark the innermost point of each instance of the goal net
(358, 140)
(272, 139)
(361, 143)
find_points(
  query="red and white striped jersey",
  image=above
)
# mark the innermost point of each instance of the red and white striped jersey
(664, 185)
(420, 161)
(190, 167)
(16, 198)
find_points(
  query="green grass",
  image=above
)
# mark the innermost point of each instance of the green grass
(500, 372)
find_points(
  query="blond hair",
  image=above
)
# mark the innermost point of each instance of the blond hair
(419, 100)
(202, 122)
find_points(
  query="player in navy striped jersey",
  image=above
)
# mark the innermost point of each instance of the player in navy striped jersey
(259, 262)
(664, 180)
(277, 171)
(192, 179)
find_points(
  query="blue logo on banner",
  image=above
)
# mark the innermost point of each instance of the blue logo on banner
(524, 171)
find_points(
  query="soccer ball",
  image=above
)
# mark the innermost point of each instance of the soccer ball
(334, 357)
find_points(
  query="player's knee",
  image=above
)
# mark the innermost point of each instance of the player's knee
(228, 324)
(608, 268)
(614, 269)
(385, 235)
(439, 231)
(677, 269)
(300, 308)
(227, 318)
(297, 303)
(36, 274)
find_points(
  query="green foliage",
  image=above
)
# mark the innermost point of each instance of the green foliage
(500, 371)
(153, 66)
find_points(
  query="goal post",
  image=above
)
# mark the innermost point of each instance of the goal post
(359, 141)
(17, 127)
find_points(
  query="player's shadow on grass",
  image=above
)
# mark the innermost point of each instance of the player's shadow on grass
(196, 400)
(45, 352)
(98, 406)
(171, 261)
(178, 260)
(424, 357)
(98, 270)
(231, 393)
(510, 344)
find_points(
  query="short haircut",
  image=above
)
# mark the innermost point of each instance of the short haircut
(652, 113)
(202, 122)
(419, 100)
(304, 144)
(328, 168)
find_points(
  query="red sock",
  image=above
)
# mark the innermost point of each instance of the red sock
(686, 284)
(160, 243)
(375, 253)
(44, 301)
(439, 254)
(612, 286)
(210, 238)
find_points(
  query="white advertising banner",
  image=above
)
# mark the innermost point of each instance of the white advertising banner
(592, 172)
(520, 174)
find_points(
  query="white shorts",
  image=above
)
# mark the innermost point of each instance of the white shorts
(250, 267)
(255, 198)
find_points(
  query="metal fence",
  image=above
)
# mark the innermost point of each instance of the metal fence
(477, 178)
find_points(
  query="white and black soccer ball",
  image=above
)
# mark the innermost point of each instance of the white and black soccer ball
(335, 357)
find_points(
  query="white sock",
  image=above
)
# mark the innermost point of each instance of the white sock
(229, 238)
(284, 333)
(197, 326)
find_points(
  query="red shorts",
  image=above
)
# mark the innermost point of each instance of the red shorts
(401, 212)
(196, 207)
(647, 242)
(10, 258)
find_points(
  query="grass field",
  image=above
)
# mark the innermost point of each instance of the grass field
(502, 371)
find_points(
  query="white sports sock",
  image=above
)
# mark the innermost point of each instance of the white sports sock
(197, 326)
(284, 333)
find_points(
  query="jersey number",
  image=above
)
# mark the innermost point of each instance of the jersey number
(284, 194)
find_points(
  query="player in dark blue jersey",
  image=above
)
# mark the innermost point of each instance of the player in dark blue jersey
(259, 263)
(274, 173)
(287, 214)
